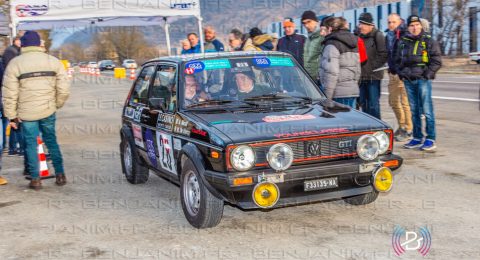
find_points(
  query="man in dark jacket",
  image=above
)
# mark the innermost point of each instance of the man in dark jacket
(397, 95)
(211, 43)
(376, 58)
(16, 136)
(340, 68)
(418, 59)
(292, 42)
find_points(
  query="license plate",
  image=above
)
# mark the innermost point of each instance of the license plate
(321, 184)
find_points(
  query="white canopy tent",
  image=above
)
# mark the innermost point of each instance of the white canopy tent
(51, 14)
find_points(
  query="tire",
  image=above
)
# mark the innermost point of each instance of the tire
(205, 211)
(363, 199)
(135, 171)
(478, 61)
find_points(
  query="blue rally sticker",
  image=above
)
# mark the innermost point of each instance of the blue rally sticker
(194, 67)
(150, 147)
(262, 62)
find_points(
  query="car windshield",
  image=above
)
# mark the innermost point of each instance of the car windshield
(246, 81)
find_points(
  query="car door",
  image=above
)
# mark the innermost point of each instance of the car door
(138, 105)
(162, 102)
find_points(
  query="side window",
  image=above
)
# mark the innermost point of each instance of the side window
(164, 87)
(140, 91)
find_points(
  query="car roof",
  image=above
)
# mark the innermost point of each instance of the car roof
(209, 55)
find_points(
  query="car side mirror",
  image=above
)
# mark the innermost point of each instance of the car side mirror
(157, 103)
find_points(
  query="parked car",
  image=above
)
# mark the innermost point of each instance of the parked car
(92, 65)
(82, 64)
(475, 56)
(253, 130)
(129, 64)
(106, 65)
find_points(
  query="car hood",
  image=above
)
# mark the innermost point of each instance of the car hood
(314, 120)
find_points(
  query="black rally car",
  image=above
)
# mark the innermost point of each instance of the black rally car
(250, 129)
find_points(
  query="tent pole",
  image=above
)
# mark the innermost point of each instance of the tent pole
(202, 46)
(167, 35)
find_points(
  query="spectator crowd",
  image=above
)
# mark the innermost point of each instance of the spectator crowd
(348, 66)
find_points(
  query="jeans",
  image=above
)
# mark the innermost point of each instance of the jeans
(350, 101)
(398, 100)
(420, 98)
(32, 129)
(370, 97)
(3, 129)
(2, 138)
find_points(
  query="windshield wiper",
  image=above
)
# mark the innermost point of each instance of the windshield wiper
(279, 96)
(219, 102)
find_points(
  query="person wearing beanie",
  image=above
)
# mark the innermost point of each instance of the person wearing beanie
(292, 42)
(261, 41)
(313, 45)
(35, 85)
(418, 58)
(377, 56)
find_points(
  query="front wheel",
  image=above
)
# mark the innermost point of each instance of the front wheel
(362, 199)
(201, 208)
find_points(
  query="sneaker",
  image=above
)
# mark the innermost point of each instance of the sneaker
(11, 153)
(428, 146)
(20, 152)
(401, 135)
(60, 179)
(414, 143)
(3, 181)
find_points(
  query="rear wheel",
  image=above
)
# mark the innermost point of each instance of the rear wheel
(362, 199)
(134, 170)
(201, 208)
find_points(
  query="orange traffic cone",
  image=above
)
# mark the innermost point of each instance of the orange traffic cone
(132, 74)
(42, 160)
(97, 72)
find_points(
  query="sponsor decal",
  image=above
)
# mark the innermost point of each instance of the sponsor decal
(177, 144)
(129, 112)
(165, 121)
(281, 62)
(285, 118)
(30, 10)
(196, 66)
(181, 127)
(137, 135)
(312, 132)
(199, 132)
(182, 4)
(165, 152)
(137, 114)
(403, 241)
(150, 147)
(261, 62)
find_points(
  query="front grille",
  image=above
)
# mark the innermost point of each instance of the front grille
(315, 149)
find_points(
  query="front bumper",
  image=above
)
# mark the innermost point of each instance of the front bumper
(351, 182)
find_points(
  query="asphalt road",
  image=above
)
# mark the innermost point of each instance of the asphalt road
(98, 215)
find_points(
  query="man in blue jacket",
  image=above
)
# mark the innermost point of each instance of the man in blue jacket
(292, 42)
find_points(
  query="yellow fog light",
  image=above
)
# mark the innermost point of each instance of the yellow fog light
(383, 179)
(265, 194)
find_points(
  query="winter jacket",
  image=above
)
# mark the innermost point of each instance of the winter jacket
(9, 53)
(340, 68)
(418, 57)
(294, 45)
(35, 85)
(248, 45)
(391, 41)
(214, 46)
(263, 42)
(194, 49)
(311, 56)
(377, 55)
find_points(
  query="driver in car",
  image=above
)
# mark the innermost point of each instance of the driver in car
(246, 85)
(191, 96)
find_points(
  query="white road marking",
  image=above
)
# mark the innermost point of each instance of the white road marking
(449, 98)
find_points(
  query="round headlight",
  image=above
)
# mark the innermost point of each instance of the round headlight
(383, 141)
(242, 158)
(367, 147)
(280, 157)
